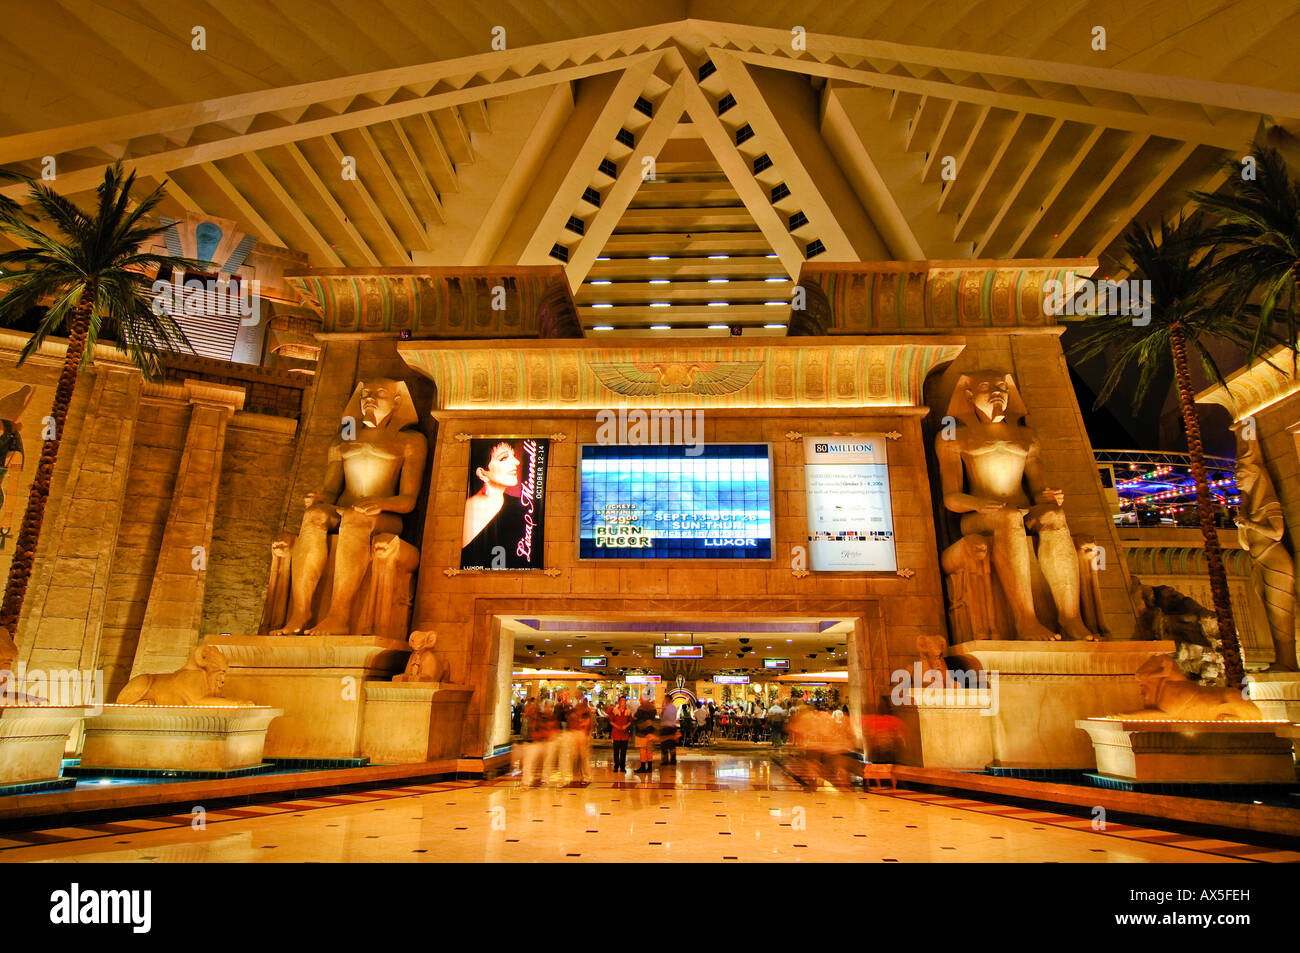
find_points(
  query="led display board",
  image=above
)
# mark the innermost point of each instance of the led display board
(710, 501)
(679, 651)
(776, 663)
(850, 518)
(505, 505)
(594, 661)
(641, 679)
(731, 679)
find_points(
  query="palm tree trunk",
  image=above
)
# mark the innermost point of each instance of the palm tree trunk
(29, 534)
(1234, 670)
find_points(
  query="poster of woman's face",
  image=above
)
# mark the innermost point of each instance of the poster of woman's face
(505, 506)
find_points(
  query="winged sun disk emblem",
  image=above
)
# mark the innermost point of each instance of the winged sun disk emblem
(710, 379)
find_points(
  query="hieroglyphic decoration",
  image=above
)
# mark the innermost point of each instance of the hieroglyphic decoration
(1251, 389)
(865, 296)
(487, 301)
(12, 457)
(866, 373)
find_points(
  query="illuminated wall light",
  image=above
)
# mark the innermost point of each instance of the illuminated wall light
(716, 257)
(603, 327)
(776, 302)
(774, 326)
(771, 256)
(602, 281)
(719, 327)
(659, 304)
(718, 304)
(719, 281)
(657, 258)
(602, 305)
(775, 280)
(661, 327)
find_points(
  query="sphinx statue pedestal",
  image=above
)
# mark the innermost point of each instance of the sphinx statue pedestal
(193, 740)
(412, 722)
(1276, 694)
(1184, 752)
(32, 742)
(320, 683)
(1029, 695)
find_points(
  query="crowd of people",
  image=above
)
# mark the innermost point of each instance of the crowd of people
(557, 730)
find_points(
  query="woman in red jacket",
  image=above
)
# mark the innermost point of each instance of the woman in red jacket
(620, 720)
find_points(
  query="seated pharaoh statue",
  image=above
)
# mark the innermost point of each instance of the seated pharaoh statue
(1002, 585)
(348, 571)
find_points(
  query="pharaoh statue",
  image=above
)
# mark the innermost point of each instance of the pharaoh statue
(348, 571)
(1015, 544)
(1261, 530)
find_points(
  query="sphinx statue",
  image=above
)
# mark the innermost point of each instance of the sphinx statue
(348, 571)
(1167, 694)
(200, 681)
(1261, 529)
(1015, 543)
(424, 665)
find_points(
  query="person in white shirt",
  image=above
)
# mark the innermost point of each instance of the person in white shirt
(668, 730)
(776, 724)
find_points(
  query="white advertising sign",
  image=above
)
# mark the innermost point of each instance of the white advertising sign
(850, 519)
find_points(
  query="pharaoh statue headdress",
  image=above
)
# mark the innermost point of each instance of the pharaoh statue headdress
(403, 415)
(962, 407)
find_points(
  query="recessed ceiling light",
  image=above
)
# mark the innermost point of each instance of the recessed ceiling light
(776, 303)
(770, 280)
(718, 304)
(658, 258)
(719, 327)
(774, 326)
(718, 281)
(603, 327)
(602, 304)
(772, 256)
(715, 257)
(602, 258)
(658, 281)
(659, 304)
(661, 327)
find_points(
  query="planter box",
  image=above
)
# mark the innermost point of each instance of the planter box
(32, 739)
(1191, 752)
(176, 738)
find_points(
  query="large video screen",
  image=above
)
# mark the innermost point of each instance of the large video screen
(676, 502)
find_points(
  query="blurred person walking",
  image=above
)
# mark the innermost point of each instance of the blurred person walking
(645, 730)
(669, 732)
(539, 752)
(620, 721)
(577, 748)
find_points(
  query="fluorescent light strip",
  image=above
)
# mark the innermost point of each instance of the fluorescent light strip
(661, 327)
(776, 302)
(603, 327)
(770, 280)
(718, 327)
(602, 305)
(603, 281)
(658, 281)
(718, 281)
(659, 304)
(718, 304)
(657, 258)
(774, 325)
(715, 257)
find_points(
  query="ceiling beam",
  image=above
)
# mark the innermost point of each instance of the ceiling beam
(1167, 168)
(426, 188)
(251, 218)
(990, 173)
(1013, 193)
(1061, 181)
(1134, 147)
(328, 255)
(441, 167)
(375, 156)
(377, 164)
(150, 164)
(1231, 132)
(619, 196)
(322, 191)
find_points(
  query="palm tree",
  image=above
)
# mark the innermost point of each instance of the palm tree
(1260, 226)
(89, 268)
(1186, 301)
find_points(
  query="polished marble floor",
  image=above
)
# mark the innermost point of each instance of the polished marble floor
(714, 808)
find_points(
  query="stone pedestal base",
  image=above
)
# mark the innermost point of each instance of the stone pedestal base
(409, 722)
(318, 680)
(1030, 696)
(32, 740)
(176, 738)
(1276, 695)
(1190, 752)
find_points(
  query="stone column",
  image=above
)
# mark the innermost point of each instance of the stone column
(175, 608)
(63, 616)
